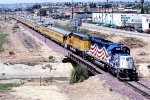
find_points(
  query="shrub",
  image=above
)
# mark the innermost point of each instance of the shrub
(79, 74)
(93, 22)
(66, 60)
(2, 40)
(56, 24)
(112, 35)
(5, 86)
(85, 31)
(148, 66)
(15, 27)
(65, 27)
(50, 57)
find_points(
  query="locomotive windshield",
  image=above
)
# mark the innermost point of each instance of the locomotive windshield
(123, 50)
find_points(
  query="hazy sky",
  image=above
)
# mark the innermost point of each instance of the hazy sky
(40, 1)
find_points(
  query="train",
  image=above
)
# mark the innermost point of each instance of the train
(112, 57)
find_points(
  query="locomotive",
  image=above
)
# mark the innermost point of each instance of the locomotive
(112, 57)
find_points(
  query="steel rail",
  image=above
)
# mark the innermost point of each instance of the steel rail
(140, 88)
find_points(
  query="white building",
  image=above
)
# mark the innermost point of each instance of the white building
(118, 19)
(146, 22)
(45, 6)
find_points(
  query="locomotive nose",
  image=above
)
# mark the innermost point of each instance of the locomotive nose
(126, 62)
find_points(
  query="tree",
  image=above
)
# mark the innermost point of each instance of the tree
(36, 6)
(92, 5)
(86, 9)
(42, 12)
(31, 9)
(138, 6)
(49, 9)
(147, 9)
(18, 9)
(129, 5)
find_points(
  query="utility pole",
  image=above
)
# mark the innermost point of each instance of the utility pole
(27, 10)
(112, 14)
(75, 26)
(105, 7)
(40, 14)
(16, 9)
(142, 7)
(99, 14)
(5, 14)
(102, 13)
(21, 8)
(72, 9)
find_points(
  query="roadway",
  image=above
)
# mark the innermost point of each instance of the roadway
(112, 30)
(94, 27)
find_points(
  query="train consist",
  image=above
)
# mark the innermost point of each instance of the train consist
(112, 57)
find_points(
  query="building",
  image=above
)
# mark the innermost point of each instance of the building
(146, 22)
(45, 6)
(82, 15)
(118, 19)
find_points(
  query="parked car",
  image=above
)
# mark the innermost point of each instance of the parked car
(113, 26)
(119, 27)
(98, 24)
(106, 25)
(129, 28)
(139, 30)
(147, 31)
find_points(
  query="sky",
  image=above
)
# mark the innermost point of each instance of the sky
(40, 1)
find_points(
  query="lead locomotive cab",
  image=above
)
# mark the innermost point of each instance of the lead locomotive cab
(123, 64)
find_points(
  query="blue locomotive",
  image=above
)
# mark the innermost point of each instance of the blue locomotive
(113, 57)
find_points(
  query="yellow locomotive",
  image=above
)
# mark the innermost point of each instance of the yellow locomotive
(76, 42)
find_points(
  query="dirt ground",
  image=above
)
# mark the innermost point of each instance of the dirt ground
(6, 95)
(91, 89)
(21, 46)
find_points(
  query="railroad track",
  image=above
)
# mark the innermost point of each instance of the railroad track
(139, 87)
(90, 67)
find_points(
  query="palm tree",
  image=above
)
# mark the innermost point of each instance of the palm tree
(142, 7)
